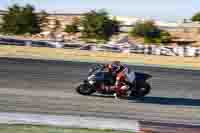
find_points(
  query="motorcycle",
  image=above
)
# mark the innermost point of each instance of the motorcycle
(136, 83)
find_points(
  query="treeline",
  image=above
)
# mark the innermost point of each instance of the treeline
(92, 25)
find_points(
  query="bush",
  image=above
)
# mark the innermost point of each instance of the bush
(165, 37)
(150, 32)
(152, 40)
(146, 29)
(196, 17)
(21, 20)
(73, 28)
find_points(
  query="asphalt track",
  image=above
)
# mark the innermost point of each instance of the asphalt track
(48, 87)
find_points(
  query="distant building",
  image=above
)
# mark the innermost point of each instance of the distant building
(2, 12)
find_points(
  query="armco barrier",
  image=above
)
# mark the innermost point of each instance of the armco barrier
(190, 51)
(153, 48)
(179, 51)
(157, 50)
(197, 52)
(146, 49)
(138, 48)
(164, 50)
(149, 51)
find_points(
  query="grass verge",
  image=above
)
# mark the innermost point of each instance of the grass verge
(89, 56)
(48, 129)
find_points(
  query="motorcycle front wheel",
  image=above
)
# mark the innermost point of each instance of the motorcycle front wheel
(85, 89)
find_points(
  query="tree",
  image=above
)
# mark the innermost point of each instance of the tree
(150, 32)
(21, 20)
(98, 25)
(116, 25)
(196, 17)
(74, 27)
(71, 29)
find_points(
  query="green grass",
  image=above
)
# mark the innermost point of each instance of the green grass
(48, 129)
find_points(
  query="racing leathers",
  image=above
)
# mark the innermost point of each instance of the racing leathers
(118, 71)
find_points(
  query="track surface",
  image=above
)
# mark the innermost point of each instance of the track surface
(48, 87)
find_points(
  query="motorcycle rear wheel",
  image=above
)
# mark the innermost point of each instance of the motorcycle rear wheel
(142, 90)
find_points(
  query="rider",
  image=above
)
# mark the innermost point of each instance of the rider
(114, 67)
(119, 71)
(121, 77)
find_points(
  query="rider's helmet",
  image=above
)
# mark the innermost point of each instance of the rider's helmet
(115, 66)
(116, 63)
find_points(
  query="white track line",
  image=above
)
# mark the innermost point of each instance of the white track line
(69, 121)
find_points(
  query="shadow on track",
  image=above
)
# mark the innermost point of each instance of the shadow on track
(159, 100)
(102, 96)
(167, 101)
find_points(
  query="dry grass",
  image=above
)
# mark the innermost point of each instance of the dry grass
(66, 54)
